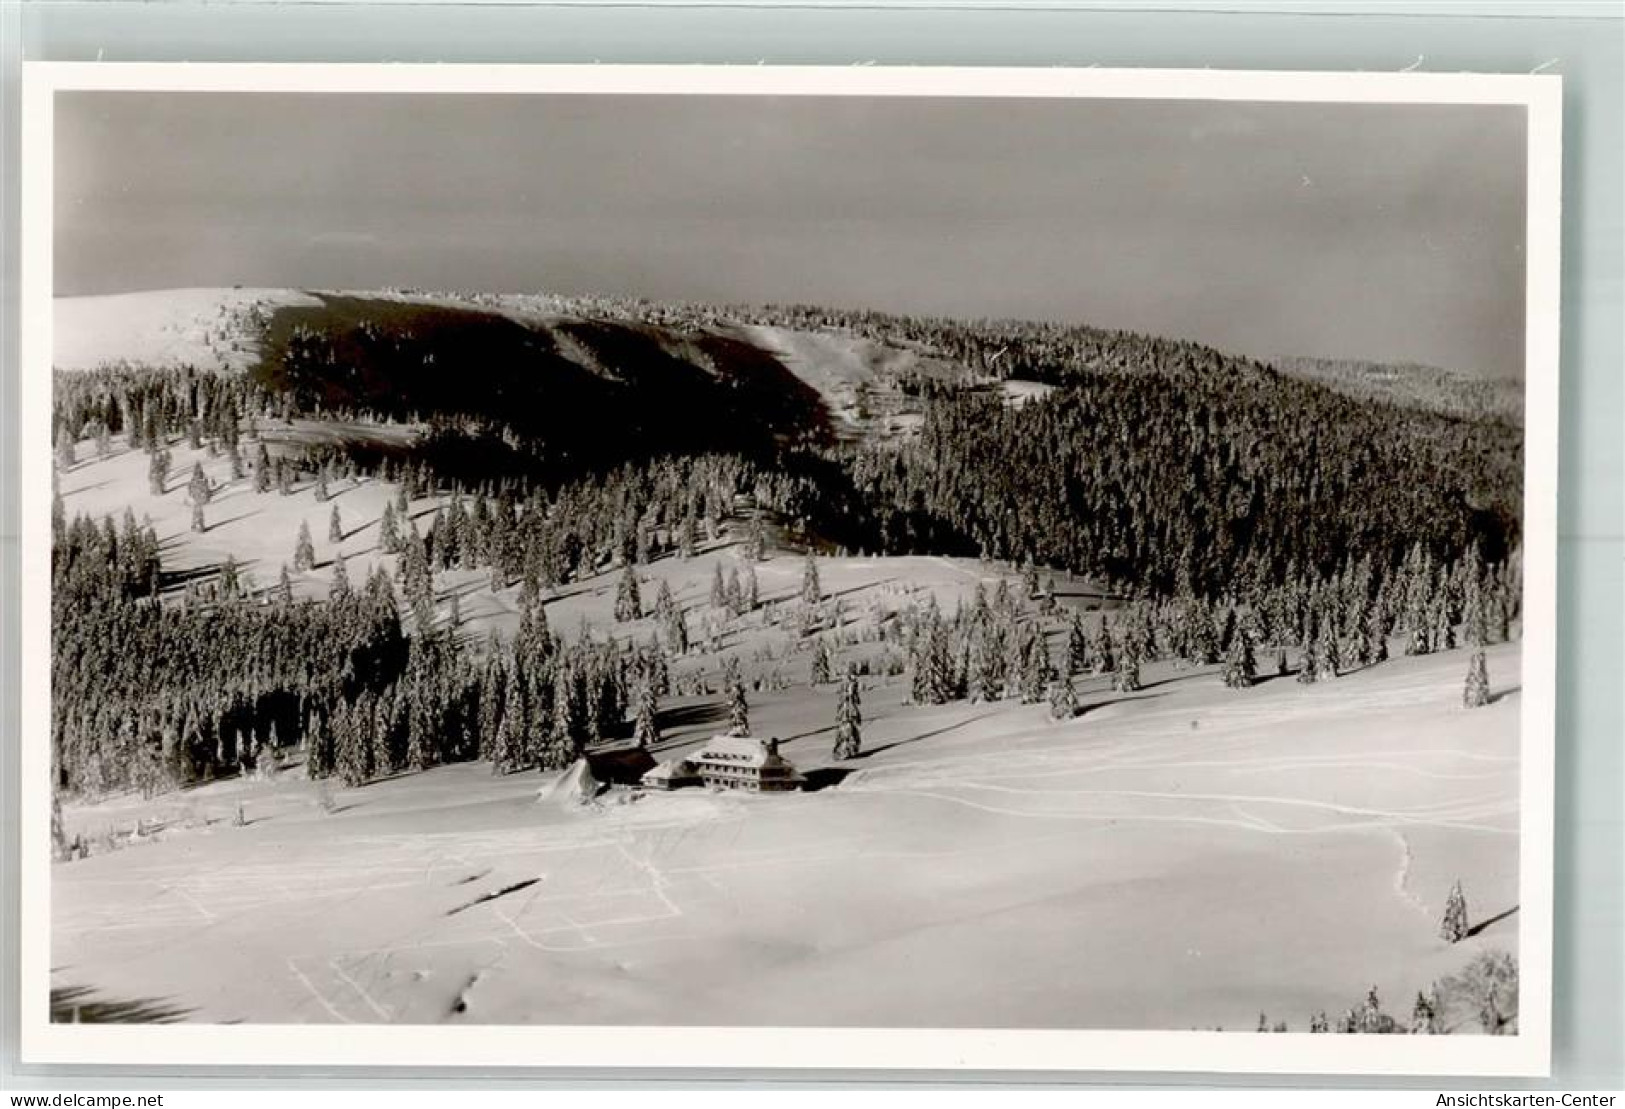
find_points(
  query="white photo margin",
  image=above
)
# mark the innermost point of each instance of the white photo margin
(665, 1048)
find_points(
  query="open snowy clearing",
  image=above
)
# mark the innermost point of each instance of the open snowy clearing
(206, 328)
(260, 531)
(1183, 857)
(857, 377)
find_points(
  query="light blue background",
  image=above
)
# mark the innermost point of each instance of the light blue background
(1584, 42)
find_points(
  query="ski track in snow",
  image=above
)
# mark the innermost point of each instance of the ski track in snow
(321, 997)
(1402, 876)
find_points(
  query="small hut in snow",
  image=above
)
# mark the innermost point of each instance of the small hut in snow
(620, 766)
(671, 774)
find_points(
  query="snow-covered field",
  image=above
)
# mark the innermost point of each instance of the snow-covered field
(857, 377)
(260, 531)
(1185, 857)
(206, 328)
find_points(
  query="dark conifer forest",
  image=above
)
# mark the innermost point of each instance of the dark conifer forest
(1234, 509)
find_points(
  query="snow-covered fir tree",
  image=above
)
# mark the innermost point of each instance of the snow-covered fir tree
(1030, 586)
(65, 457)
(849, 717)
(158, 472)
(493, 690)
(1424, 1016)
(1453, 928)
(821, 662)
(646, 728)
(339, 590)
(304, 552)
(198, 490)
(1376, 636)
(262, 470)
(676, 629)
(1311, 667)
(1077, 646)
(1126, 677)
(1063, 698)
(811, 590)
(1240, 667)
(755, 547)
(507, 748)
(738, 706)
(1476, 691)
(564, 733)
(1331, 654)
(987, 664)
(353, 738)
(1105, 652)
(1036, 670)
(628, 598)
(389, 532)
(665, 604)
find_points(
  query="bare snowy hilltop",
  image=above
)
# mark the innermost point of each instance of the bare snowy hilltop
(428, 657)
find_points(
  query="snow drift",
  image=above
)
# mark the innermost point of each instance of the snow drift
(574, 788)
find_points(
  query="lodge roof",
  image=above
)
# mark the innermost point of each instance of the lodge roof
(738, 751)
(670, 769)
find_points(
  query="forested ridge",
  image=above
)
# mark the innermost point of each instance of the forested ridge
(1427, 388)
(545, 402)
(1246, 511)
(1166, 486)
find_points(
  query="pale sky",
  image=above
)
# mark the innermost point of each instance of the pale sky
(1389, 233)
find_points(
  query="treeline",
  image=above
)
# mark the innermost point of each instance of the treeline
(522, 533)
(1413, 386)
(152, 694)
(1481, 999)
(1035, 350)
(1194, 492)
(147, 693)
(154, 406)
(999, 647)
(153, 689)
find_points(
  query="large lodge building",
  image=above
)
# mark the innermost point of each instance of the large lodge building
(730, 762)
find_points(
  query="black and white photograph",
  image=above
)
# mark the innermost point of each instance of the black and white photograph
(646, 553)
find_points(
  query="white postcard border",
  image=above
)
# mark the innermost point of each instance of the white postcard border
(665, 1048)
